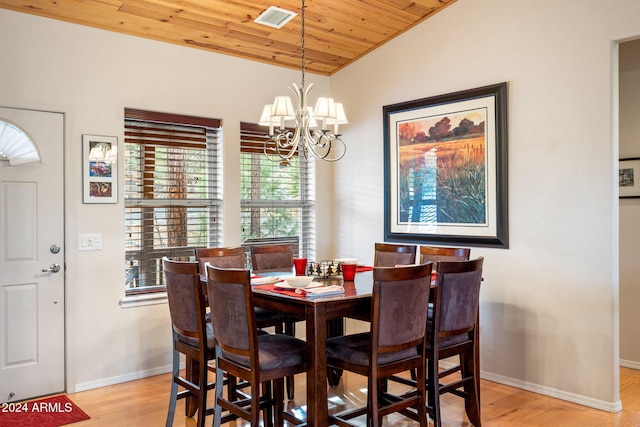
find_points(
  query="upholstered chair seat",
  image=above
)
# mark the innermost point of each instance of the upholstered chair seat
(275, 351)
(356, 349)
(211, 342)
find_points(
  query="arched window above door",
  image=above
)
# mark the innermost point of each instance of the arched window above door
(15, 145)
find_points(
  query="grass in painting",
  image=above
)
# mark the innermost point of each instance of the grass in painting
(449, 175)
(460, 183)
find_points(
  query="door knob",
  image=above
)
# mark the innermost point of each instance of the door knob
(53, 268)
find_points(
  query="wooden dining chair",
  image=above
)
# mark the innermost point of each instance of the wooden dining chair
(441, 253)
(269, 258)
(390, 255)
(242, 352)
(454, 331)
(192, 335)
(394, 344)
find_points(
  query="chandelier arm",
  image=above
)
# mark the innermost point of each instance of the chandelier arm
(329, 144)
(286, 145)
(294, 141)
(319, 144)
(305, 152)
(337, 141)
(322, 138)
(282, 146)
(271, 156)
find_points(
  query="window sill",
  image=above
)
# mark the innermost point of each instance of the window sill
(142, 300)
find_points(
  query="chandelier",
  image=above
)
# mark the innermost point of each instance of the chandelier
(315, 131)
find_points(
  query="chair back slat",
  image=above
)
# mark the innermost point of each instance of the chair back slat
(271, 257)
(220, 257)
(232, 313)
(400, 299)
(437, 253)
(390, 255)
(184, 295)
(458, 286)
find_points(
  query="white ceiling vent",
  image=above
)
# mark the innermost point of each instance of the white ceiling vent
(275, 17)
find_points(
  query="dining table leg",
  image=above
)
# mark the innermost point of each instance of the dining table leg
(335, 328)
(316, 325)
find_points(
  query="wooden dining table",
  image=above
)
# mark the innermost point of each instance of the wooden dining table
(319, 312)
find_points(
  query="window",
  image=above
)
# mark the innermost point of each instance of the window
(278, 201)
(16, 146)
(172, 192)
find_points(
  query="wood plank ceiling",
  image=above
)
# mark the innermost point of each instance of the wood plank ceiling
(337, 32)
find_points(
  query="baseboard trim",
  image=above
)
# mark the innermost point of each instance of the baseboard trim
(123, 378)
(557, 394)
(630, 364)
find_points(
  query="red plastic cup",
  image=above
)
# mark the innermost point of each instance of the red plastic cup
(301, 266)
(348, 272)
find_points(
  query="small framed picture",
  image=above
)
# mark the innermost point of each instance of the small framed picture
(629, 178)
(100, 169)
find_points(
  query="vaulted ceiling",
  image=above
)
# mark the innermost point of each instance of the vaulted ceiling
(337, 32)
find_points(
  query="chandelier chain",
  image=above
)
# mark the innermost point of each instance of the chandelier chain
(302, 44)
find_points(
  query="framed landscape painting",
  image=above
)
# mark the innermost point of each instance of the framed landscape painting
(446, 169)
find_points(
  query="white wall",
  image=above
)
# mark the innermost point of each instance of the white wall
(629, 208)
(92, 75)
(549, 304)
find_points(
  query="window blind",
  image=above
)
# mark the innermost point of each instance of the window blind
(172, 192)
(277, 198)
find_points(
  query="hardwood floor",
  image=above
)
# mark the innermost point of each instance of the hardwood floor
(144, 403)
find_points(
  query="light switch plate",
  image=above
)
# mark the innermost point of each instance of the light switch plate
(90, 242)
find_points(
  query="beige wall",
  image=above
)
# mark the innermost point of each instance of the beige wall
(629, 208)
(549, 304)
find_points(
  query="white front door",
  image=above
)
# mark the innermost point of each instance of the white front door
(32, 301)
